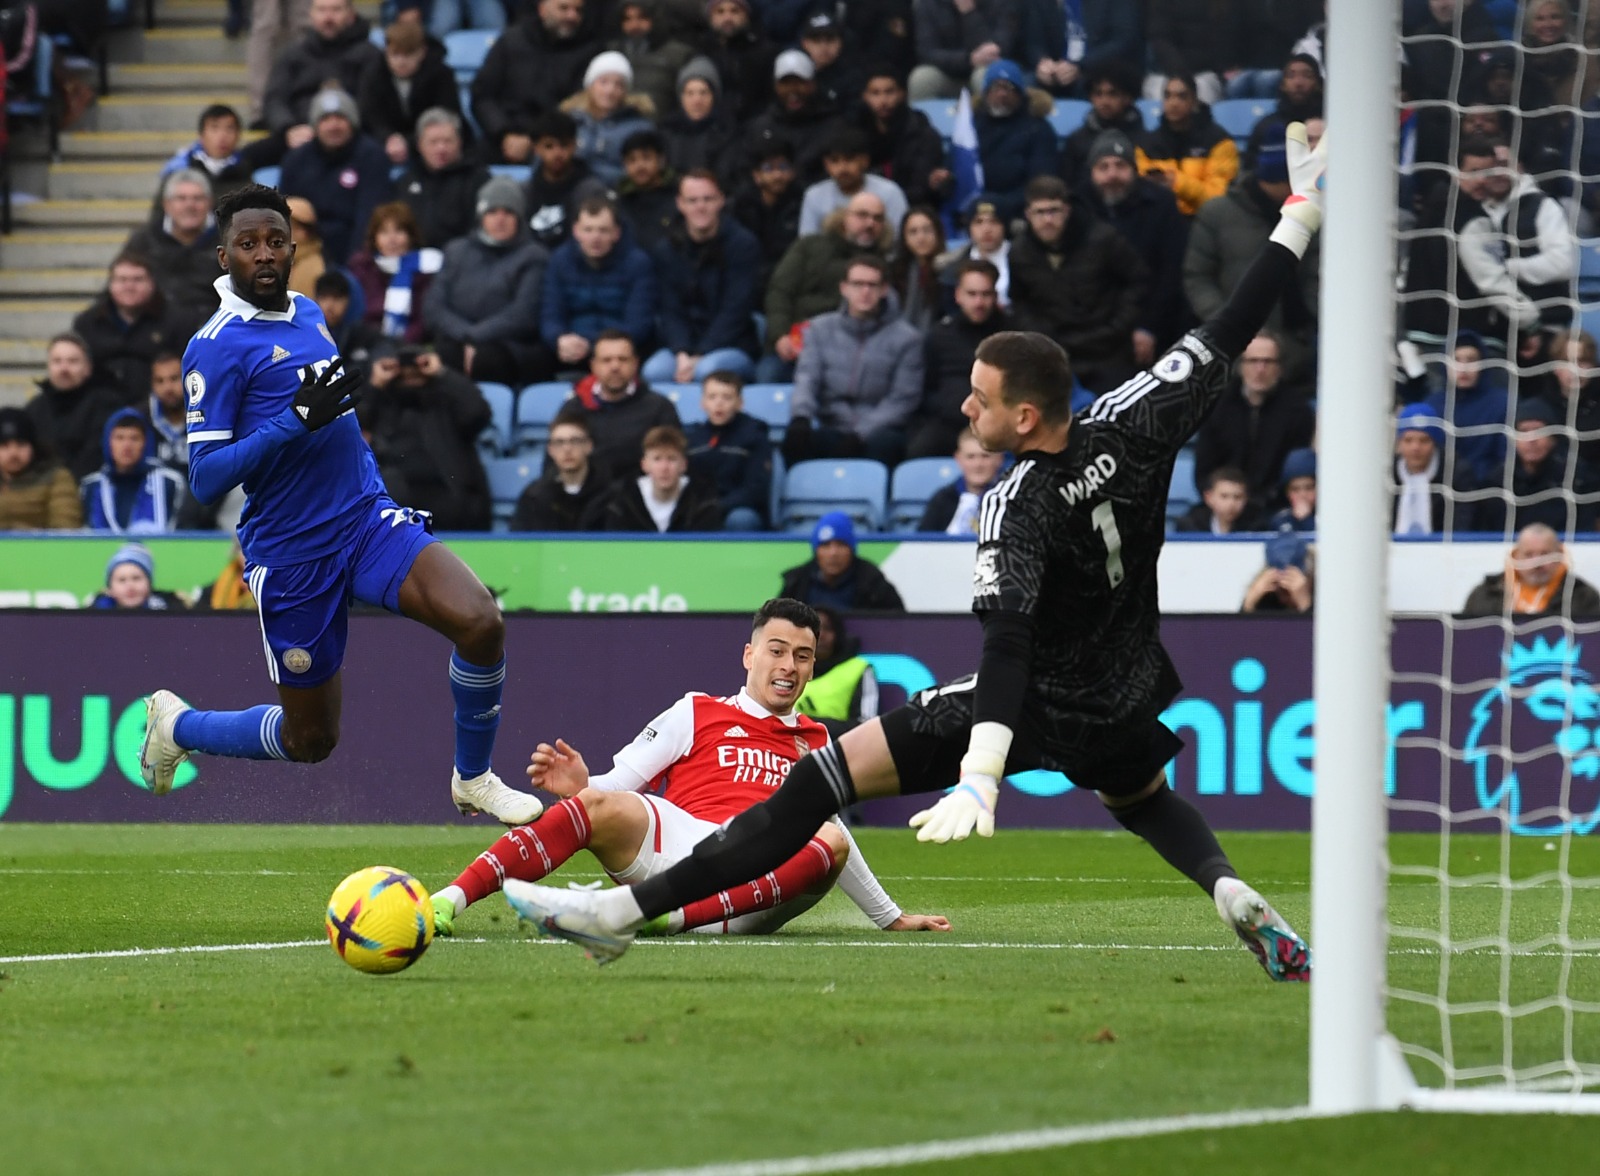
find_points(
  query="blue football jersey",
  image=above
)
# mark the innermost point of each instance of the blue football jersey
(241, 370)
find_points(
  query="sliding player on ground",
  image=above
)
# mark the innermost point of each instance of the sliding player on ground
(270, 408)
(697, 764)
(1073, 675)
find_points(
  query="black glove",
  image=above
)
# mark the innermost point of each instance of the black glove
(324, 399)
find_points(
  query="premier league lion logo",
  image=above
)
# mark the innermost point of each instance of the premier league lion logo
(1534, 743)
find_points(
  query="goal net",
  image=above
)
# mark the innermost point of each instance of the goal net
(1456, 911)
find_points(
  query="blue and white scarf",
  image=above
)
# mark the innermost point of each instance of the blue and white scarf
(397, 298)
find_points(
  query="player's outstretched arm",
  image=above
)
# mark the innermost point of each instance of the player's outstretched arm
(862, 887)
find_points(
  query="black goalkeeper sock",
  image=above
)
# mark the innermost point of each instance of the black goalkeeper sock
(1176, 830)
(757, 840)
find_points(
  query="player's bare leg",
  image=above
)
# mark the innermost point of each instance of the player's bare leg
(443, 593)
(1175, 829)
(311, 716)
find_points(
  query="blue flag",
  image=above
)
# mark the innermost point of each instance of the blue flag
(965, 167)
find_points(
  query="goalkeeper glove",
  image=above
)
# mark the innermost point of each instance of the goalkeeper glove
(323, 399)
(970, 804)
(1301, 215)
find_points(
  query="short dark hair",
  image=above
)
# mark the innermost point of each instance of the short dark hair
(1033, 368)
(1187, 79)
(128, 257)
(849, 142)
(977, 265)
(1226, 473)
(251, 196)
(645, 140)
(872, 261)
(166, 355)
(1045, 188)
(665, 437)
(331, 282)
(766, 148)
(614, 335)
(704, 174)
(1120, 72)
(1479, 147)
(554, 124)
(786, 608)
(595, 205)
(882, 69)
(573, 413)
(215, 111)
(733, 379)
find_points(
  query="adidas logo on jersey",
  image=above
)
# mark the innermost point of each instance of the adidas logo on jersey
(736, 732)
(279, 353)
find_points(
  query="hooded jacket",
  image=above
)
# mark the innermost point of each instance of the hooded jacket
(425, 443)
(735, 459)
(445, 202)
(1224, 239)
(859, 375)
(385, 113)
(806, 281)
(622, 508)
(744, 65)
(583, 298)
(1074, 167)
(43, 497)
(1013, 150)
(344, 186)
(122, 350)
(311, 63)
(71, 424)
(1202, 160)
(486, 292)
(141, 500)
(183, 273)
(1149, 220)
(600, 138)
(864, 587)
(527, 72)
(908, 151)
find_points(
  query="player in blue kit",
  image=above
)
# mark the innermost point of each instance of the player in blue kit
(270, 408)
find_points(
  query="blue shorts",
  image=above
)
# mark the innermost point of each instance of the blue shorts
(305, 607)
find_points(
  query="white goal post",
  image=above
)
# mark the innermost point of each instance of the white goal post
(1355, 1064)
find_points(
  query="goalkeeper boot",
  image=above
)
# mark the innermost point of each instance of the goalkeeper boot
(1282, 953)
(488, 794)
(573, 915)
(444, 916)
(159, 754)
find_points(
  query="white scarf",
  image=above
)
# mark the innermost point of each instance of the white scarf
(1415, 513)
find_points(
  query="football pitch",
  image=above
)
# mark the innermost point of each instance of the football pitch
(1084, 987)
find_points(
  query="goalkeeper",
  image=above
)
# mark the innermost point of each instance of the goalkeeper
(1073, 675)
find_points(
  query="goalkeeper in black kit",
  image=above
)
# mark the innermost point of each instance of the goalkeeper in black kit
(1073, 676)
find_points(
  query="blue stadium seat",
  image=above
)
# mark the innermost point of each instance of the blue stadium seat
(915, 482)
(775, 490)
(941, 113)
(857, 486)
(1238, 116)
(1068, 115)
(495, 440)
(1181, 493)
(769, 403)
(376, 36)
(507, 477)
(537, 406)
(1589, 272)
(464, 51)
(1150, 110)
(686, 399)
(519, 172)
(269, 176)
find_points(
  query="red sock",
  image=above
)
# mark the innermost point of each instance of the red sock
(528, 852)
(804, 870)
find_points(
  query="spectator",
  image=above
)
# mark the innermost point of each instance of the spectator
(987, 233)
(218, 153)
(1196, 42)
(843, 691)
(835, 576)
(1224, 507)
(957, 40)
(1188, 152)
(914, 269)
(231, 588)
(879, 30)
(336, 50)
(341, 171)
(859, 379)
(560, 181)
(131, 493)
(1255, 427)
(1538, 581)
(1576, 391)
(395, 271)
(654, 55)
(663, 498)
(743, 57)
(806, 282)
(902, 144)
(130, 576)
(769, 205)
(1298, 484)
(730, 452)
(1226, 235)
(354, 338)
(483, 307)
(531, 68)
(1113, 89)
(37, 493)
(422, 421)
(182, 246)
(1015, 141)
(1147, 216)
(572, 481)
(1267, 32)
(309, 262)
(847, 157)
(1284, 585)
(397, 88)
(127, 324)
(700, 131)
(795, 115)
(168, 412)
(647, 197)
(838, 77)
(606, 114)
(1549, 484)
(953, 509)
(441, 185)
(598, 281)
(1078, 280)
(1059, 43)
(1419, 481)
(707, 266)
(273, 25)
(1299, 100)
(620, 407)
(73, 405)
(948, 352)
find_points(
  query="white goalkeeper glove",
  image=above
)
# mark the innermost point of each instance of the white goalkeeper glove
(1301, 215)
(967, 806)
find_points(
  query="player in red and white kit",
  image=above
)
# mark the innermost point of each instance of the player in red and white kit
(695, 766)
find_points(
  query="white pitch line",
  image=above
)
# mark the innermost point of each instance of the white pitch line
(137, 952)
(1005, 1143)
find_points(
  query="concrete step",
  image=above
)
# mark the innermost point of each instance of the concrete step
(83, 214)
(17, 388)
(177, 45)
(142, 77)
(29, 318)
(23, 353)
(80, 282)
(191, 13)
(155, 112)
(35, 249)
(103, 181)
(155, 146)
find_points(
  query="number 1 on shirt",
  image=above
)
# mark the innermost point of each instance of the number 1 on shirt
(1105, 521)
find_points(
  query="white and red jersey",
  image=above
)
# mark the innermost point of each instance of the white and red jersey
(715, 757)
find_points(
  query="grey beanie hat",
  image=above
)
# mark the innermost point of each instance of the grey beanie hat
(501, 192)
(334, 101)
(704, 69)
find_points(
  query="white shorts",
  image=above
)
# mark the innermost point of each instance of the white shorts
(671, 837)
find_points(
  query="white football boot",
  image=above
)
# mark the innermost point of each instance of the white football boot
(488, 794)
(1282, 953)
(573, 915)
(159, 754)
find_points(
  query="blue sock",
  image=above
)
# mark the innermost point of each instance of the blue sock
(477, 694)
(248, 734)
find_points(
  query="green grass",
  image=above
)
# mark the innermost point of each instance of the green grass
(1098, 987)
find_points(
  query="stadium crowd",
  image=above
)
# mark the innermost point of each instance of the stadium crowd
(658, 203)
